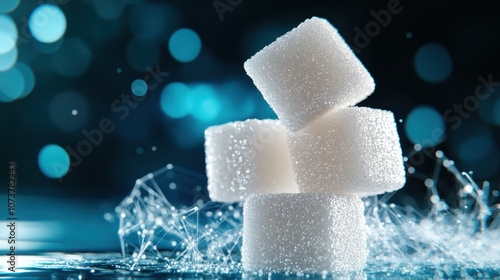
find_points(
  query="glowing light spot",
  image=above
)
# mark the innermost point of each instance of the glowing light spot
(139, 87)
(29, 78)
(429, 183)
(141, 55)
(439, 154)
(433, 63)
(47, 23)
(8, 34)
(205, 105)
(139, 150)
(153, 148)
(7, 6)
(468, 188)
(118, 70)
(174, 100)
(67, 104)
(7, 60)
(184, 45)
(53, 161)
(11, 85)
(109, 9)
(434, 199)
(425, 126)
(73, 59)
(409, 35)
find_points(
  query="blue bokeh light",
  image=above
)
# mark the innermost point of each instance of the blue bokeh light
(433, 63)
(11, 85)
(61, 111)
(204, 103)
(7, 6)
(8, 34)
(73, 59)
(47, 23)
(53, 161)
(174, 100)
(7, 60)
(425, 126)
(109, 9)
(29, 78)
(139, 87)
(184, 45)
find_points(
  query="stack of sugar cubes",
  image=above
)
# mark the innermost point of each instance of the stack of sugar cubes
(302, 177)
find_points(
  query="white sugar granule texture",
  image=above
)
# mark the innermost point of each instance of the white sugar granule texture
(307, 72)
(304, 232)
(354, 150)
(248, 157)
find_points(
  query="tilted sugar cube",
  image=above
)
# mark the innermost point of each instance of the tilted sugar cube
(307, 72)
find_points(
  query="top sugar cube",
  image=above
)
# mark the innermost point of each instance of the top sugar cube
(307, 72)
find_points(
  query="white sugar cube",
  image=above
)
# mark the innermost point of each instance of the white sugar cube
(304, 232)
(248, 157)
(354, 150)
(307, 72)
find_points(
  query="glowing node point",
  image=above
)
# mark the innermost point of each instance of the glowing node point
(429, 183)
(439, 154)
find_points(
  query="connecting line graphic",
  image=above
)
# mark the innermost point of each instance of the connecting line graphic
(207, 237)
